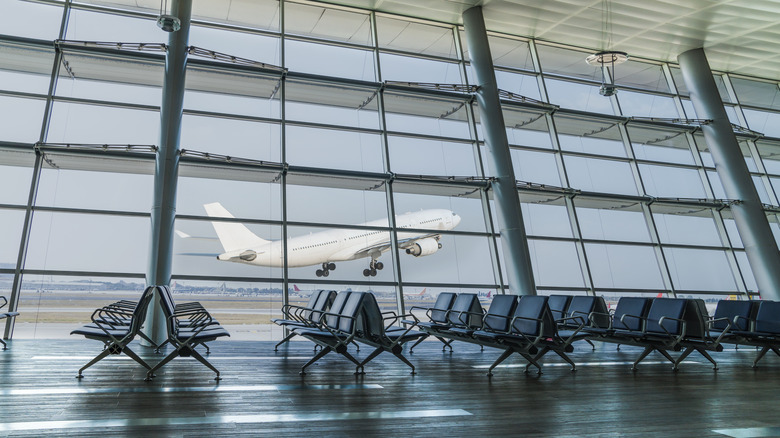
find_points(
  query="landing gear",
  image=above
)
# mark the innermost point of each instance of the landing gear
(373, 268)
(326, 268)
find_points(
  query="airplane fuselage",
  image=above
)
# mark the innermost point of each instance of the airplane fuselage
(336, 245)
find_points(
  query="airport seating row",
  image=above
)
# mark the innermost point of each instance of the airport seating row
(4, 315)
(188, 325)
(351, 317)
(534, 326)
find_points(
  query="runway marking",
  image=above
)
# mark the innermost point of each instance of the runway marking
(222, 419)
(750, 432)
(585, 364)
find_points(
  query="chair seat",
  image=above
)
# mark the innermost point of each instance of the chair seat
(461, 331)
(94, 331)
(762, 335)
(203, 336)
(433, 326)
(395, 335)
(566, 334)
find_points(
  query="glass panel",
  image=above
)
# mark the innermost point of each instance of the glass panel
(672, 182)
(77, 123)
(624, 266)
(235, 138)
(770, 155)
(763, 121)
(747, 272)
(612, 222)
(701, 270)
(331, 103)
(11, 223)
(647, 105)
(757, 93)
(682, 89)
(461, 260)
(592, 136)
(417, 156)
(17, 18)
(198, 255)
(95, 190)
(578, 96)
(231, 104)
(97, 26)
(525, 127)
(257, 14)
(15, 175)
(88, 242)
(734, 237)
(566, 62)
(108, 91)
(468, 209)
(23, 124)
(407, 112)
(546, 220)
(508, 52)
(640, 75)
(24, 67)
(689, 230)
(342, 61)
(409, 69)
(555, 264)
(524, 85)
(414, 37)
(243, 198)
(660, 145)
(355, 207)
(327, 23)
(535, 167)
(240, 44)
(334, 149)
(50, 306)
(600, 175)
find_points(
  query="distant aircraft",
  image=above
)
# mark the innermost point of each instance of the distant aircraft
(324, 248)
(414, 296)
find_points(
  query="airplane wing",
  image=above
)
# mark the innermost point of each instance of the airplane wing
(402, 244)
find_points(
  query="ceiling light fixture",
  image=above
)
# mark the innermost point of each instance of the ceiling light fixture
(609, 58)
(166, 21)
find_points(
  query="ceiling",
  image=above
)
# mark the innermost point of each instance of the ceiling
(739, 36)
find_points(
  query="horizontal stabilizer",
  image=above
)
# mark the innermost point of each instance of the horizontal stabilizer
(184, 235)
(198, 254)
(233, 235)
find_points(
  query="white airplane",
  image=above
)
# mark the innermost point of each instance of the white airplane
(324, 248)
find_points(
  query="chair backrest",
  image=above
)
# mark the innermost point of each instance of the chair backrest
(670, 308)
(332, 320)
(351, 309)
(140, 311)
(580, 307)
(500, 313)
(443, 303)
(768, 317)
(558, 305)
(738, 314)
(312, 302)
(600, 313)
(323, 304)
(370, 323)
(636, 306)
(541, 321)
(466, 303)
(695, 317)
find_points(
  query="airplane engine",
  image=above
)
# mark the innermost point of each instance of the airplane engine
(248, 255)
(424, 247)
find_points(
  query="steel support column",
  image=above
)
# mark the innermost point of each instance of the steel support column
(167, 166)
(748, 213)
(510, 220)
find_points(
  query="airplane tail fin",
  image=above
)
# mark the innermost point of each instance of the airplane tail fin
(232, 235)
(295, 288)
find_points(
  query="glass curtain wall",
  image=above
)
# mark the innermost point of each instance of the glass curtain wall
(308, 124)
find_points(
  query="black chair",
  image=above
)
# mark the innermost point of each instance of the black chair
(466, 312)
(497, 317)
(336, 329)
(437, 317)
(306, 316)
(558, 305)
(583, 311)
(186, 329)
(116, 338)
(5, 315)
(765, 331)
(373, 331)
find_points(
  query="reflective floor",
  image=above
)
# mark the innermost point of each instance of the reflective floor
(262, 394)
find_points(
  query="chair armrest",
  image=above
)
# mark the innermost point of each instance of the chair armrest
(541, 328)
(683, 327)
(626, 315)
(592, 317)
(722, 333)
(393, 317)
(750, 322)
(465, 323)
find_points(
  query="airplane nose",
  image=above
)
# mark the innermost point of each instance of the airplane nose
(455, 220)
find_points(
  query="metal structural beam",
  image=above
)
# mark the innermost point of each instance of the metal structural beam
(166, 168)
(510, 220)
(748, 213)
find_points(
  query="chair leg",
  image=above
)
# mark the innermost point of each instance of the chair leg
(565, 357)
(682, 357)
(97, 359)
(644, 354)
(165, 360)
(406, 361)
(418, 342)
(708, 357)
(135, 357)
(318, 356)
(508, 352)
(532, 360)
(286, 339)
(759, 356)
(208, 364)
(371, 357)
(591, 344)
(445, 342)
(5, 346)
